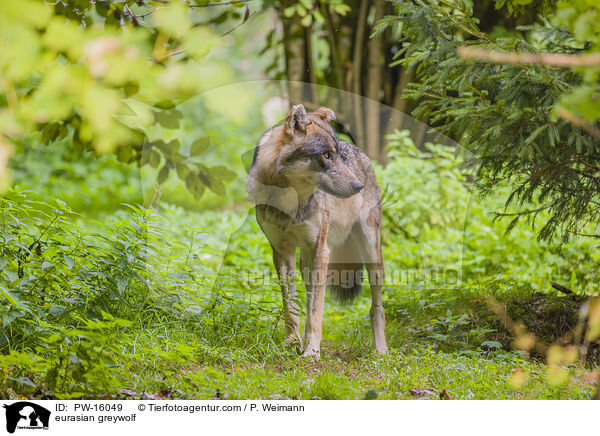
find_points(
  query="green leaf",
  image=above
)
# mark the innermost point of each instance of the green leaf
(102, 8)
(535, 133)
(163, 174)
(491, 344)
(200, 146)
(182, 170)
(51, 376)
(202, 175)
(57, 310)
(222, 173)
(218, 187)
(289, 11)
(23, 380)
(194, 185)
(164, 104)
(123, 322)
(121, 284)
(307, 20)
(131, 88)
(169, 148)
(11, 275)
(154, 158)
(50, 132)
(12, 299)
(173, 19)
(125, 154)
(301, 10)
(167, 119)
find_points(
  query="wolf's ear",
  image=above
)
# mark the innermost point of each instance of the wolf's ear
(325, 114)
(296, 120)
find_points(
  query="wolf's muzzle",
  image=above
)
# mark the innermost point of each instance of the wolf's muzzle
(357, 186)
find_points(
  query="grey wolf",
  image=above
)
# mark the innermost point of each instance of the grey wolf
(318, 194)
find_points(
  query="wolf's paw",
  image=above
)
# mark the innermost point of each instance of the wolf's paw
(292, 342)
(381, 349)
(313, 353)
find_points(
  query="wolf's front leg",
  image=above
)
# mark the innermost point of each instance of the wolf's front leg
(285, 263)
(315, 299)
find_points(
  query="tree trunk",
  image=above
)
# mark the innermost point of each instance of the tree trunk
(357, 58)
(400, 105)
(336, 62)
(373, 83)
(310, 67)
(293, 41)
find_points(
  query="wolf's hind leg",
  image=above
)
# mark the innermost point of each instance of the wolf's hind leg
(377, 314)
(285, 264)
(371, 246)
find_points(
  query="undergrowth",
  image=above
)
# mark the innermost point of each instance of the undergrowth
(142, 307)
(180, 304)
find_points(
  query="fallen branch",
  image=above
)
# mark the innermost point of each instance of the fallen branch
(563, 289)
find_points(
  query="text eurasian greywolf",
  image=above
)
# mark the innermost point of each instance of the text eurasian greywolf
(319, 194)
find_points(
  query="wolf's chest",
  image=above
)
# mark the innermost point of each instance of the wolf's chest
(308, 231)
(305, 234)
(302, 231)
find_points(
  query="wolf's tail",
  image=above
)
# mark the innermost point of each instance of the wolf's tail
(344, 281)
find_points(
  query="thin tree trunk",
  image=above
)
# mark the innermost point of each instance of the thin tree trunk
(388, 55)
(420, 134)
(344, 28)
(399, 103)
(357, 59)
(361, 26)
(293, 40)
(374, 73)
(310, 64)
(336, 63)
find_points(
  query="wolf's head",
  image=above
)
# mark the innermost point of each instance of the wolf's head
(311, 156)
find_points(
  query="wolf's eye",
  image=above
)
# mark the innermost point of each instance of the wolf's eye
(326, 155)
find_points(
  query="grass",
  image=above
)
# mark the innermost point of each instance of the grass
(181, 361)
(415, 368)
(173, 334)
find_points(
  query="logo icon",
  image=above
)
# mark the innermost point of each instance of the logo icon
(26, 415)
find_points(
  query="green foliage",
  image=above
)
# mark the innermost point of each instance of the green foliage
(94, 185)
(87, 304)
(62, 284)
(438, 201)
(445, 227)
(582, 19)
(504, 114)
(53, 272)
(101, 74)
(137, 303)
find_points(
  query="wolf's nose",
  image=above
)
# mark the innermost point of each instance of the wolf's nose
(357, 186)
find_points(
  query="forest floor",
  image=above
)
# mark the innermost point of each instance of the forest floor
(434, 354)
